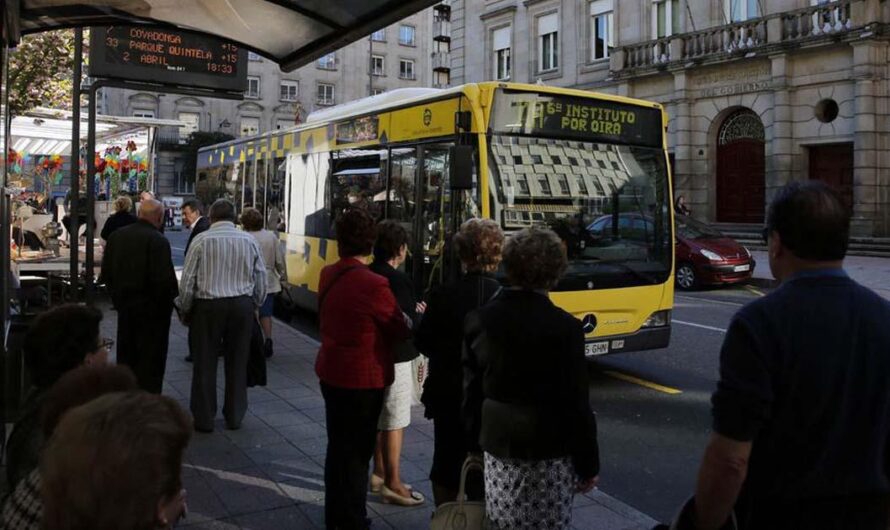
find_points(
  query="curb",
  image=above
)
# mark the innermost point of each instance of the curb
(639, 519)
(763, 283)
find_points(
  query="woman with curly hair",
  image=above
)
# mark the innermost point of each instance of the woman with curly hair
(359, 321)
(526, 402)
(479, 244)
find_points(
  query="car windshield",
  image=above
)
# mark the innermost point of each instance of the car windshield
(689, 228)
(607, 202)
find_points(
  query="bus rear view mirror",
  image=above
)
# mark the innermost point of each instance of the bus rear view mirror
(461, 171)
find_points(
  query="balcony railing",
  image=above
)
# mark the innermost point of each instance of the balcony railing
(441, 61)
(741, 38)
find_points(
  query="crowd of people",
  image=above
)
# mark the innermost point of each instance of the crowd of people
(800, 429)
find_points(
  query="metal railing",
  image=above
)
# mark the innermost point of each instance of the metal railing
(814, 22)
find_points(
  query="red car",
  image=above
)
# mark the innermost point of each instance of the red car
(707, 257)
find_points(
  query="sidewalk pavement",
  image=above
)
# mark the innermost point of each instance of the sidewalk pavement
(871, 272)
(270, 473)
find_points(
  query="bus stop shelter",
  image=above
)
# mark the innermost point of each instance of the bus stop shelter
(292, 33)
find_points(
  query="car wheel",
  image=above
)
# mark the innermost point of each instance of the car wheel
(686, 279)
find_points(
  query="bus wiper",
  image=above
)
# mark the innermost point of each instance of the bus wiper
(627, 268)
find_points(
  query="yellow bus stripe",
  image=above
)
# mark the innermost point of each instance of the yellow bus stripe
(642, 382)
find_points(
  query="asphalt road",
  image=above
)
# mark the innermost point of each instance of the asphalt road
(651, 441)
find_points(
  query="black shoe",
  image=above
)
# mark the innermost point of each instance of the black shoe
(267, 348)
(188, 358)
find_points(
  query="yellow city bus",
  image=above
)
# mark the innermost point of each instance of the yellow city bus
(592, 167)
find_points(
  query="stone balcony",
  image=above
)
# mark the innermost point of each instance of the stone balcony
(441, 61)
(811, 26)
(441, 29)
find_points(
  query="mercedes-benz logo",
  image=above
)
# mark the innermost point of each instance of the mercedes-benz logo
(589, 323)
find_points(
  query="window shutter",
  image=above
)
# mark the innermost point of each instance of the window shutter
(501, 38)
(548, 24)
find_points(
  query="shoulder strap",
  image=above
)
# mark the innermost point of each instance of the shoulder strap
(324, 294)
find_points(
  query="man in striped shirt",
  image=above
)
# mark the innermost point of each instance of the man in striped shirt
(222, 285)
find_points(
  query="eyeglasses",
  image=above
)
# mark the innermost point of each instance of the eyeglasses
(106, 343)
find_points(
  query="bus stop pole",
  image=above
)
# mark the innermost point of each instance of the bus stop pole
(74, 192)
(89, 288)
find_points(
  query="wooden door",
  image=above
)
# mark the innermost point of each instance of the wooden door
(741, 169)
(833, 165)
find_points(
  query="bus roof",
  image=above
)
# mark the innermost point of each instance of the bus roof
(404, 97)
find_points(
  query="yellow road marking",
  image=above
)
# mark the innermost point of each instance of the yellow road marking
(755, 291)
(642, 382)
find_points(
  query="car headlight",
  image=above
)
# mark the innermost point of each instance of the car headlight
(713, 256)
(659, 319)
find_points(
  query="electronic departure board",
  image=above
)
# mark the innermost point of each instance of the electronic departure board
(168, 56)
(588, 119)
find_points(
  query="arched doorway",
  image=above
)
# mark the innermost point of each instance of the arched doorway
(741, 169)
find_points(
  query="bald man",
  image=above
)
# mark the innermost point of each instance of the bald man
(138, 271)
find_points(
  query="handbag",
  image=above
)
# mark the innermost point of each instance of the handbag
(461, 514)
(419, 370)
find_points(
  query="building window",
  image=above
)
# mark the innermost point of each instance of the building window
(548, 42)
(564, 185)
(379, 35)
(406, 35)
(377, 91)
(602, 30)
(740, 10)
(250, 126)
(253, 56)
(544, 183)
(283, 124)
(192, 121)
(582, 186)
(666, 17)
(501, 44)
(289, 90)
(325, 94)
(143, 113)
(253, 87)
(441, 79)
(378, 66)
(406, 69)
(328, 62)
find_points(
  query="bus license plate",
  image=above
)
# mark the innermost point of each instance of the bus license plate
(742, 268)
(596, 348)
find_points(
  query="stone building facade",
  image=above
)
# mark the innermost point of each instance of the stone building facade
(410, 53)
(759, 92)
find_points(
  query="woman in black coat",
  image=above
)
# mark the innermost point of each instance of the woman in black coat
(120, 218)
(479, 244)
(526, 402)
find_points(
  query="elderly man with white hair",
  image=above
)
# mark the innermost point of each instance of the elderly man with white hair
(138, 270)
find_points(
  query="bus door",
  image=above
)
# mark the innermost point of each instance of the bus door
(419, 199)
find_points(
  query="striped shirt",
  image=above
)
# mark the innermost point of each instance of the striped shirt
(222, 262)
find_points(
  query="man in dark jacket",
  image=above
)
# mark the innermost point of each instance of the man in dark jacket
(193, 214)
(138, 270)
(801, 430)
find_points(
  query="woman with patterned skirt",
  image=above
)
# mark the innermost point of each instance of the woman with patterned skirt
(526, 400)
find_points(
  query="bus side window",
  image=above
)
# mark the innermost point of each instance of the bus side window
(309, 210)
(275, 195)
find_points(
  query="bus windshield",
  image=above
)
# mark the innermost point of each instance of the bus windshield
(606, 198)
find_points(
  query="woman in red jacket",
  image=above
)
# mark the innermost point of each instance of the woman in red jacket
(359, 322)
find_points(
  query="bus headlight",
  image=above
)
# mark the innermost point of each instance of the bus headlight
(659, 319)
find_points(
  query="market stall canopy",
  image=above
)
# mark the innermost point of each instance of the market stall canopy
(291, 32)
(48, 131)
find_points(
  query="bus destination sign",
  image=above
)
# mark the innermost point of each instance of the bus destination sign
(586, 119)
(168, 56)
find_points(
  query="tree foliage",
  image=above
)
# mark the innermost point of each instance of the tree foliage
(40, 71)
